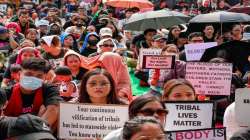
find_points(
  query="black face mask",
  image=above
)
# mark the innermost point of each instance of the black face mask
(54, 32)
(92, 42)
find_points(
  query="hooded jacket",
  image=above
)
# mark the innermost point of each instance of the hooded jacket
(75, 46)
(85, 42)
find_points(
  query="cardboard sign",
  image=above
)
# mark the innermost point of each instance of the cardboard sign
(158, 62)
(189, 115)
(144, 52)
(200, 134)
(242, 104)
(195, 51)
(210, 78)
(79, 121)
(3, 7)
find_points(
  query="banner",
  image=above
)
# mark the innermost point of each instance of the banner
(195, 51)
(199, 134)
(158, 62)
(78, 121)
(242, 104)
(189, 115)
(210, 78)
(144, 52)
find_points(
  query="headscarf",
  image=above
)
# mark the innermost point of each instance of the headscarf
(20, 52)
(65, 35)
(101, 43)
(114, 64)
(14, 25)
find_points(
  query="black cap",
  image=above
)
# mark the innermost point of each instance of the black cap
(30, 127)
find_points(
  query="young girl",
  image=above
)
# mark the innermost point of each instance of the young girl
(98, 87)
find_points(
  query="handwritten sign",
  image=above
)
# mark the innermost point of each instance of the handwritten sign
(78, 121)
(199, 134)
(189, 115)
(144, 52)
(158, 62)
(195, 51)
(210, 78)
(242, 104)
(3, 7)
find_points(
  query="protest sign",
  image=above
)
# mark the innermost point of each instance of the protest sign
(189, 115)
(199, 134)
(158, 62)
(195, 51)
(242, 104)
(78, 121)
(3, 7)
(210, 78)
(144, 52)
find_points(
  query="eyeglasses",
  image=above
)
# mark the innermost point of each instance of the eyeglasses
(151, 112)
(159, 137)
(102, 84)
(108, 45)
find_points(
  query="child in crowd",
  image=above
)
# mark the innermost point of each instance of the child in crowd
(63, 79)
(15, 74)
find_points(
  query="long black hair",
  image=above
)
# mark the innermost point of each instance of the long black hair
(84, 96)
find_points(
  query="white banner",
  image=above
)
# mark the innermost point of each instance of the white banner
(200, 134)
(195, 51)
(144, 52)
(78, 121)
(210, 78)
(189, 115)
(242, 104)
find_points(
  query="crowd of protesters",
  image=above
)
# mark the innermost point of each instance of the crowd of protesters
(78, 51)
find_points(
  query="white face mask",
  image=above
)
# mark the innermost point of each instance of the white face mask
(30, 82)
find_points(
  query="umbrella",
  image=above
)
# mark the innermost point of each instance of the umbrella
(236, 52)
(155, 19)
(218, 20)
(240, 9)
(130, 3)
(221, 17)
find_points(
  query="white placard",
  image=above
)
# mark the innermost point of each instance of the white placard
(242, 105)
(210, 78)
(189, 115)
(195, 51)
(201, 134)
(78, 121)
(144, 52)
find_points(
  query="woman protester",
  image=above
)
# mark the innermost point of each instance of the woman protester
(98, 87)
(114, 64)
(178, 90)
(145, 105)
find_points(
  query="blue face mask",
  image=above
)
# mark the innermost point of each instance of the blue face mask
(30, 82)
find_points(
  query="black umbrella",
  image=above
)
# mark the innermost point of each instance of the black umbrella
(218, 20)
(236, 52)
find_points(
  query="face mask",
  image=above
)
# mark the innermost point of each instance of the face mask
(54, 32)
(30, 82)
(93, 42)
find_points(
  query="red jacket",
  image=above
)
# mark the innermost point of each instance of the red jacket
(15, 103)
